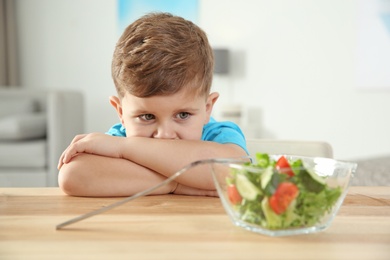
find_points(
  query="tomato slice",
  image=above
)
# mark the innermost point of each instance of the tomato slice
(233, 194)
(285, 193)
(283, 166)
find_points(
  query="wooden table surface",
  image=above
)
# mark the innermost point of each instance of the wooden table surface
(179, 227)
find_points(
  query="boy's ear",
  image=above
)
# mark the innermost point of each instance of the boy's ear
(212, 98)
(116, 103)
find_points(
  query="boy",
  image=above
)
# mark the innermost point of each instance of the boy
(162, 69)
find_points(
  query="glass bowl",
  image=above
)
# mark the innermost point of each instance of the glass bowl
(277, 198)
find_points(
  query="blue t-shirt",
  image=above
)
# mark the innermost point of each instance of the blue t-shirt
(219, 132)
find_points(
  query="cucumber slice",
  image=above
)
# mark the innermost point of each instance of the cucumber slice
(312, 181)
(246, 188)
(266, 177)
(274, 220)
(316, 177)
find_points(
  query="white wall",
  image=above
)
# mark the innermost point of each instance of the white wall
(69, 45)
(292, 61)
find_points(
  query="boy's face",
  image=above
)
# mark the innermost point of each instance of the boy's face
(178, 116)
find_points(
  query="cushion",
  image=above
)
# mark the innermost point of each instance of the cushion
(23, 126)
(16, 105)
(23, 154)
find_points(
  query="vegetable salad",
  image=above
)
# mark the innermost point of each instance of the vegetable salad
(280, 193)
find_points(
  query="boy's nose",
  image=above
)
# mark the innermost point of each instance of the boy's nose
(165, 131)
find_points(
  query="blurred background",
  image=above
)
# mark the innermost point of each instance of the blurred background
(295, 67)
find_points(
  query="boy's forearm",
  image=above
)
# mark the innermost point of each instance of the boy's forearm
(168, 156)
(96, 176)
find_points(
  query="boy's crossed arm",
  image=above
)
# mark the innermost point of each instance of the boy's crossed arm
(102, 165)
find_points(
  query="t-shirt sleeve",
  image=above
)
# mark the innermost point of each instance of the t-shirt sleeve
(223, 133)
(117, 130)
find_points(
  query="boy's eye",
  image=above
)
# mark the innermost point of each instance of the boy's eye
(147, 117)
(183, 115)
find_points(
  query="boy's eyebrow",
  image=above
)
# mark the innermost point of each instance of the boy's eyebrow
(188, 109)
(144, 111)
(140, 111)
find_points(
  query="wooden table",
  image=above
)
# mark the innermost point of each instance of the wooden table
(179, 227)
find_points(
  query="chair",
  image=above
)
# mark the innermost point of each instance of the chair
(290, 147)
(35, 128)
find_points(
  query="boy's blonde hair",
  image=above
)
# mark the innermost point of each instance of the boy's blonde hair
(160, 53)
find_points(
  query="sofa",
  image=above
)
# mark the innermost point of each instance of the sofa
(35, 127)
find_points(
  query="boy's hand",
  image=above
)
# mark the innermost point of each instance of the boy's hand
(95, 143)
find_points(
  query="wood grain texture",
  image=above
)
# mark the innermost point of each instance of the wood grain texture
(179, 227)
